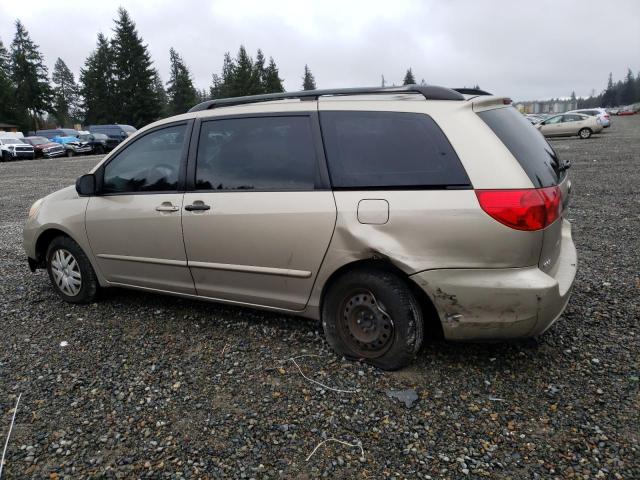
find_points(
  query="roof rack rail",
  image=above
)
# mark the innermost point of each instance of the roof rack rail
(471, 91)
(429, 92)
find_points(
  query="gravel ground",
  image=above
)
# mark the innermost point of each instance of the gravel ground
(158, 387)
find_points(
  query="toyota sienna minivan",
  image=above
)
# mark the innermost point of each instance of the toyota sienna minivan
(386, 213)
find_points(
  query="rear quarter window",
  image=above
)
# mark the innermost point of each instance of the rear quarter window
(389, 150)
(529, 147)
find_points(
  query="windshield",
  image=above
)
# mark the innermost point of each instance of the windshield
(37, 140)
(128, 128)
(100, 136)
(12, 141)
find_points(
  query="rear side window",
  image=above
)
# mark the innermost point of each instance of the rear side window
(261, 153)
(526, 144)
(389, 150)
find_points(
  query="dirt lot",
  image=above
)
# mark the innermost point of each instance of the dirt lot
(158, 387)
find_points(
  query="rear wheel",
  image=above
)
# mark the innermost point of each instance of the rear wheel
(585, 133)
(70, 271)
(372, 315)
(70, 153)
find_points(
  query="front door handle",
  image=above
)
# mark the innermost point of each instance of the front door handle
(197, 206)
(167, 207)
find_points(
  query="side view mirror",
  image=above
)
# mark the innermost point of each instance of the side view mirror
(86, 185)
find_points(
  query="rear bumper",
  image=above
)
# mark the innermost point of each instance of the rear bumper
(486, 304)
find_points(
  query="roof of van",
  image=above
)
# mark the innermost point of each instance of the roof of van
(429, 92)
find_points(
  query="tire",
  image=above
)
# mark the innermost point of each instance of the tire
(372, 315)
(99, 150)
(584, 133)
(61, 253)
(6, 157)
(70, 153)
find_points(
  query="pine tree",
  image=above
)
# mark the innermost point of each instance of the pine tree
(628, 90)
(409, 79)
(573, 100)
(8, 112)
(260, 72)
(181, 93)
(97, 84)
(308, 81)
(245, 81)
(161, 95)
(30, 77)
(136, 95)
(608, 97)
(272, 81)
(65, 95)
(221, 84)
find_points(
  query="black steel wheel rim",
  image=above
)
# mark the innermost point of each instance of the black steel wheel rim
(364, 324)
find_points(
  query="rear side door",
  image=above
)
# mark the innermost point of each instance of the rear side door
(133, 224)
(572, 123)
(260, 214)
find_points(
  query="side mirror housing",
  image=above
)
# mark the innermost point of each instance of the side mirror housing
(86, 185)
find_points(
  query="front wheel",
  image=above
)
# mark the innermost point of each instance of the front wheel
(372, 315)
(6, 157)
(584, 133)
(70, 271)
(70, 153)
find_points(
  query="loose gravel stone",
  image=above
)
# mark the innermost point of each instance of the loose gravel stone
(159, 387)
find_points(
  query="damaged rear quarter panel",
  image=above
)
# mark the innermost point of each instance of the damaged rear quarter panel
(427, 229)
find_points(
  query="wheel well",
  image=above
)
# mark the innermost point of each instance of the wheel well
(430, 316)
(43, 242)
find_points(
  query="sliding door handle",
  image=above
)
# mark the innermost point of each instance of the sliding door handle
(196, 206)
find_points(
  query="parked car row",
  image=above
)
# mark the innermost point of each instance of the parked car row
(55, 142)
(626, 110)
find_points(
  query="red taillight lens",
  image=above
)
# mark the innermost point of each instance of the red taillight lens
(528, 209)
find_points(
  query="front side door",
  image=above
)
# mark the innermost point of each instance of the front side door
(260, 217)
(133, 224)
(552, 127)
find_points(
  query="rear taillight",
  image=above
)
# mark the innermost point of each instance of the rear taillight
(529, 209)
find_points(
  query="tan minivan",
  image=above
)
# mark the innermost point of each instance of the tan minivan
(389, 214)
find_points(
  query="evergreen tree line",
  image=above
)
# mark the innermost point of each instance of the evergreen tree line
(118, 82)
(621, 93)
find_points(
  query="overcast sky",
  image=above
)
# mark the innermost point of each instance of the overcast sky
(530, 49)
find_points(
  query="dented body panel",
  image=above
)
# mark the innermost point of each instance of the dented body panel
(487, 304)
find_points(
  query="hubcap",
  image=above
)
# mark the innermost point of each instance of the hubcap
(66, 272)
(365, 325)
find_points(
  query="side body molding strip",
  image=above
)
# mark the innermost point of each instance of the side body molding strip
(283, 272)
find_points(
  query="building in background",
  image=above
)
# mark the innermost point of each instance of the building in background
(7, 127)
(555, 105)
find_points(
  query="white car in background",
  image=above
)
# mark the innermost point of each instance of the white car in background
(12, 148)
(600, 113)
(569, 125)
